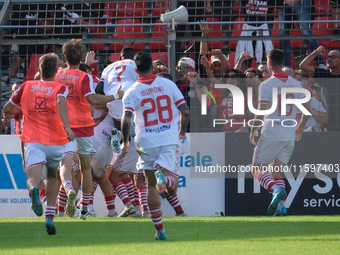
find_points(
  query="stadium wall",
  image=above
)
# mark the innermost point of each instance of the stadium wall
(198, 196)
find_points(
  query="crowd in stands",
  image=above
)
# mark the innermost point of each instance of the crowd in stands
(242, 64)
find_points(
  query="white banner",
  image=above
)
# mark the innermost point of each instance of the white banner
(198, 196)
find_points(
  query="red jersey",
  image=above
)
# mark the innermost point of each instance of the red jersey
(80, 85)
(42, 122)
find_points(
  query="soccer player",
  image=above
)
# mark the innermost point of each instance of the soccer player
(81, 95)
(120, 73)
(157, 104)
(43, 104)
(278, 133)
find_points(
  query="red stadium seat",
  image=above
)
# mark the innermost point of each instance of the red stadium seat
(231, 59)
(123, 31)
(274, 33)
(131, 9)
(33, 67)
(159, 32)
(115, 57)
(159, 8)
(160, 56)
(97, 34)
(216, 31)
(237, 29)
(322, 7)
(294, 43)
(324, 28)
(236, 7)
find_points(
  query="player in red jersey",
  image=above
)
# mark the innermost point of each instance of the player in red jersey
(43, 104)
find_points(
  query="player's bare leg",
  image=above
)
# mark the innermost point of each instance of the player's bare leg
(33, 180)
(66, 178)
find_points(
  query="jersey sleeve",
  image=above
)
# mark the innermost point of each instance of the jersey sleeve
(129, 101)
(87, 86)
(16, 98)
(63, 91)
(264, 96)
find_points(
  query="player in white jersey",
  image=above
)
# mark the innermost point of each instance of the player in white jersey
(120, 73)
(279, 130)
(156, 104)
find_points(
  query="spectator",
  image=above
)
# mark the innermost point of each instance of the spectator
(242, 62)
(255, 11)
(331, 86)
(263, 68)
(26, 15)
(301, 10)
(336, 15)
(319, 113)
(158, 66)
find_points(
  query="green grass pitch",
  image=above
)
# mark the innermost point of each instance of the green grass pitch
(190, 235)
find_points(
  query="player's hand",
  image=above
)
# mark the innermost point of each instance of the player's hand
(120, 92)
(253, 134)
(70, 134)
(90, 58)
(125, 146)
(321, 50)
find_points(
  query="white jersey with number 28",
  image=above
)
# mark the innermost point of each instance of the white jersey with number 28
(154, 101)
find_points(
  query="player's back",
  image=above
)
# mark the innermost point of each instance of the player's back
(154, 101)
(39, 105)
(119, 72)
(79, 84)
(279, 127)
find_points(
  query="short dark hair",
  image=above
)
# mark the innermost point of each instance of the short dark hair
(48, 65)
(73, 51)
(127, 53)
(276, 57)
(164, 75)
(143, 62)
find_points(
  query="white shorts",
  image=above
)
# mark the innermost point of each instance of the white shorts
(266, 152)
(166, 157)
(81, 145)
(101, 160)
(126, 162)
(36, 153)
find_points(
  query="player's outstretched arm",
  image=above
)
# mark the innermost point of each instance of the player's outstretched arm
(126, 125)
(63, 112)
(185, 117)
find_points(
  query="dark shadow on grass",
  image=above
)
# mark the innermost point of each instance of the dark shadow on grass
(111, 232)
